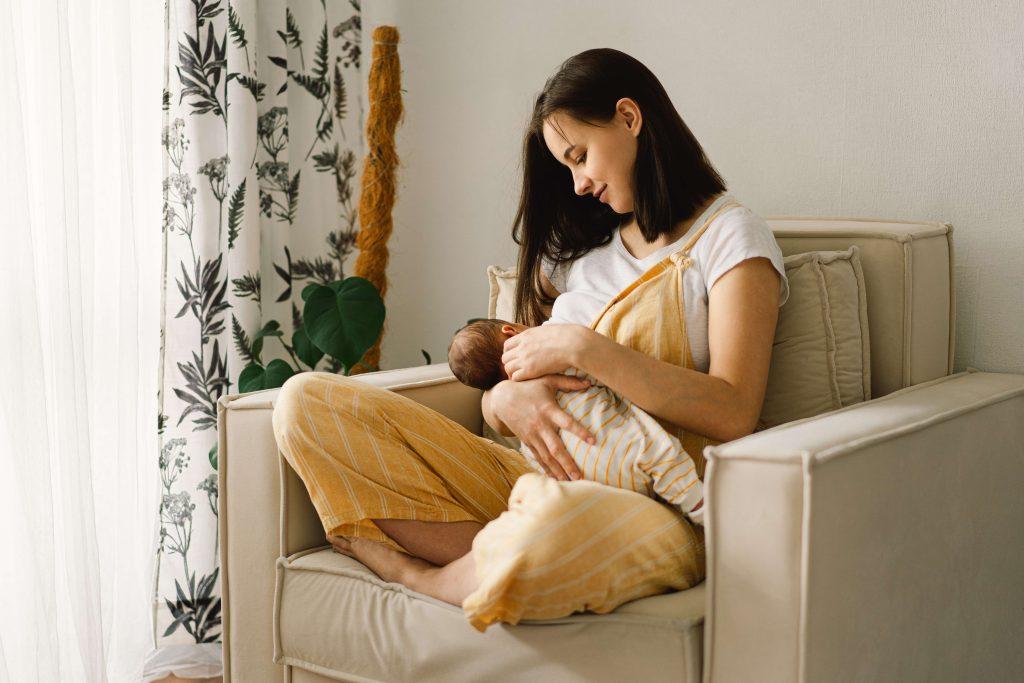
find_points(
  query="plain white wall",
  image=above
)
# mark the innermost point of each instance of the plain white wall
(905, 110)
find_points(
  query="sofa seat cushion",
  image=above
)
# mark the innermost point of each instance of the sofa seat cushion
(335, 617)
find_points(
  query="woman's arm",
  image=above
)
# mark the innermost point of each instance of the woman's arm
(492, 419)
(725, 403)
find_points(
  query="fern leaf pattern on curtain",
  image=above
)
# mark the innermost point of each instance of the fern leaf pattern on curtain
(262, 130)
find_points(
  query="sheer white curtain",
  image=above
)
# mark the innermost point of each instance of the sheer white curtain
(80, 258)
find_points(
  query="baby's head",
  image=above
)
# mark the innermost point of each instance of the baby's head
(474, 354)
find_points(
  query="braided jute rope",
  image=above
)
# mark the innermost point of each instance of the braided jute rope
(377, 189)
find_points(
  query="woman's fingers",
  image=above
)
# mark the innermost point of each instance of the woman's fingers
(551, 461)
(568, 423)
(541, 454)
(562, 382)
(556, 448)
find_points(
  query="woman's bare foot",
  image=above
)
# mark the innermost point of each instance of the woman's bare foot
(387, 563)
(451, 583)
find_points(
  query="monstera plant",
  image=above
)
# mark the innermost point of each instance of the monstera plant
(340, 320)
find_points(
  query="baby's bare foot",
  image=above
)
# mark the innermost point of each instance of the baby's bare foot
(387, 563)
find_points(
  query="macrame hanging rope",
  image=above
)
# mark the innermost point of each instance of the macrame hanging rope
(377, 193)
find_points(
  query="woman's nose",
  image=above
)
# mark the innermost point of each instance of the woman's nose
(583, 185)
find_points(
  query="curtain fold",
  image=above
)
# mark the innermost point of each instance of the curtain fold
(173, 175)
(261, 136)
(80, 190)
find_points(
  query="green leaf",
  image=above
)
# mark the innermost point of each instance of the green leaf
(309, 289)
(236, 29)
(425, 355)
(236, 211)
(320, 62)
(180, 618)
(253, 85)
(317, 87)
(271, 329)
(339, 93)
(344, 318)
(277, 373)
(255, 377)
(304, 348)
(213, 456)
(251, 378)
(182, 600)
(291, 35)
(242, 343)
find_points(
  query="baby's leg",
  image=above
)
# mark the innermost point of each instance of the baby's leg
(672, 471)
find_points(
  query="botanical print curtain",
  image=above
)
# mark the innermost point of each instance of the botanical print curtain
(262, 131)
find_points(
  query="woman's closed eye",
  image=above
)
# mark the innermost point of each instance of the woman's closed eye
(581, 158)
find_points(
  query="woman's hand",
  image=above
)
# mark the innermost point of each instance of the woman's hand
(543, 350)
(530, 410)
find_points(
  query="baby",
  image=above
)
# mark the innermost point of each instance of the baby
(632, 450)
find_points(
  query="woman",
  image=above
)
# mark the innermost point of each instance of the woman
(422, 501)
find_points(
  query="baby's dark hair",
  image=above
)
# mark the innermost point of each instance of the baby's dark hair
(474, 354)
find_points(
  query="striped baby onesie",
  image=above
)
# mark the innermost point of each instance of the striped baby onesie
(633, 451)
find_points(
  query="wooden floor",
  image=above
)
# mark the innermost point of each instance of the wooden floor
(174, 679)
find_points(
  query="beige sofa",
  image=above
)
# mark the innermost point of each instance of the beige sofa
(879, 541)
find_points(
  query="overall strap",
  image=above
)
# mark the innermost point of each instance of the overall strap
(680, 258)
(696, 235)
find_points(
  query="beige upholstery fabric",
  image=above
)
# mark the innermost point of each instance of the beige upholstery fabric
(334, 616)
(908, 271)
(501, 283)
(882, 541)
(821, 358)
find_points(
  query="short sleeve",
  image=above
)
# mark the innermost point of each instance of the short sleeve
(554, 273)
(740, 235)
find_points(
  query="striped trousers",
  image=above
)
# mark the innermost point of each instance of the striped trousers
(548, 548)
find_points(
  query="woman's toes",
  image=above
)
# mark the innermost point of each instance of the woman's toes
(342, 544)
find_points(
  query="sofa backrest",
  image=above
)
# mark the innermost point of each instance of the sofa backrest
(908, 274)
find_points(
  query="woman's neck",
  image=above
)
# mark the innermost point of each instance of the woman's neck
(632, 238)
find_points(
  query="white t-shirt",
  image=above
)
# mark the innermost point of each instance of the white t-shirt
(589, 282)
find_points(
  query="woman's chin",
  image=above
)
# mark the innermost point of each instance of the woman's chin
(621, 210)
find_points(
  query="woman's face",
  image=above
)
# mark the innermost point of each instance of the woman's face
(600, 158)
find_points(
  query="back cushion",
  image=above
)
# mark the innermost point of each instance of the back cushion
(821, 355)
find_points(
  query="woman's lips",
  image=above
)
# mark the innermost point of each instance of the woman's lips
(602, 194)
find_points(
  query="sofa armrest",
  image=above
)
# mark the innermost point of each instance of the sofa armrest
(884, 540)
(265, 511)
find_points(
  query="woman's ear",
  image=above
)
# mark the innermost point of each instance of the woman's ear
(630, 111)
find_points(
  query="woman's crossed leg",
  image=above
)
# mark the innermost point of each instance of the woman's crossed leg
(395, 483)
(458, 516)
(449, 581)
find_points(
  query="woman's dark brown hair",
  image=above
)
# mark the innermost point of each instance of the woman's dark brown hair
(672, 177)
